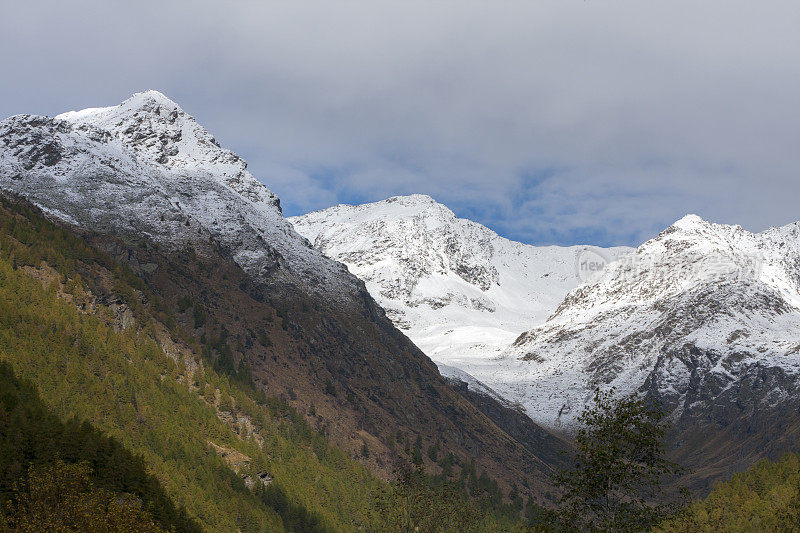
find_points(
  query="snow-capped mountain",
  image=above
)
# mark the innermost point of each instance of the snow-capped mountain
(461, 292)
(702, 317)
(146, 182)
(146, 168)
(705, 317)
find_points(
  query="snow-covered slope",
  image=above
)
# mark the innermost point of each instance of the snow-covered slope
(706, 317)
(145, 168)
(457, 289)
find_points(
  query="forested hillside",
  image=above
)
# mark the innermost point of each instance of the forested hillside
(764, 498)
(188, 423)
(97, 374)
(34, 445)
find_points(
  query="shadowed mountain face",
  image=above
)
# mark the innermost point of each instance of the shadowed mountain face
(158, 192)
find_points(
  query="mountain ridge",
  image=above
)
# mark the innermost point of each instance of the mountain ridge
(305, 328)
(159, 161)
(458, 289)
(704, 318)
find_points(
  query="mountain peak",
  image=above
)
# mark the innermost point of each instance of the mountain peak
(151, 95)
(689, 221)
(393, 208)
(411, 199)
(411, 205)
(149, 102)
(160, 132)
(145, 167)
(461, 292)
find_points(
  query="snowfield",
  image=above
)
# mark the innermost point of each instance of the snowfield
(702, 306)
(701, 309)
(461, 292)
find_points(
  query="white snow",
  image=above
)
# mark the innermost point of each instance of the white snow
(463, 295)
(730, 293)
(461, 292)
(147, 168)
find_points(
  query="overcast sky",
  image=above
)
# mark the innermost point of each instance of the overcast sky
(550, 122)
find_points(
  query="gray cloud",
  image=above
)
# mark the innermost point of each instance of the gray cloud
(549, 121)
